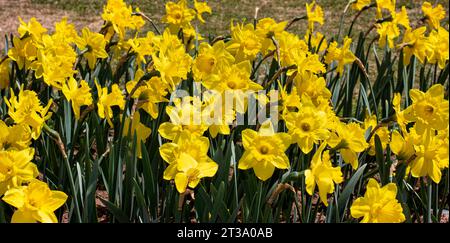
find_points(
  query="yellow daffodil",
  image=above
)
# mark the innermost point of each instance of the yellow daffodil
(106, 101)
(16, 137)
(210, 60)
(264, 150)
(323, 174)
(313, 86)
(16, 168)
(172, 61)
(26, 109)
(142, 47)
(245, 42)
(379, 204)
(216, 116)
(35, 203)
(433, 15)
(360, 4)
(268, 28)
(388, 30)
(342, 55)
(78, 94)
(439, 40)
(136, 129)
(121, 17)
(431, 157)
(65, 31)
(308, 62)
(307, 126)
(4, 73)
(235, 81)
(188, 160)
(415, 43)
(290, 47)
(317, 40)
(178, 14)
(399, 116)
(403, 147)
(286, 102)
(23, 52)
(33, 28)
(55, 61)
(200, 8)
(150, 94)
(190, 172)
(315, 15)
(382, 132)
(349, 140)
(429, 109)
(385, 4)
(184, 116)
(95, 44)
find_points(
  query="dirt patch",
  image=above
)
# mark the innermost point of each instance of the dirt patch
(46, 15)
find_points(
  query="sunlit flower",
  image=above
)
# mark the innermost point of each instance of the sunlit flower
(379, 204)
(95, 44)
(200, 8)
(16, 168)
(323, 174)
(315, 15)
(188, 161)
(78, 94)
(264, 150)
(349, 140)
(433, 15)
(429, 109)
(341, 55)
(106, 101)
(134, 127)
(26, 109)
(34, 203)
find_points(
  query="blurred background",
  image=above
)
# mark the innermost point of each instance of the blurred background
(88, 13)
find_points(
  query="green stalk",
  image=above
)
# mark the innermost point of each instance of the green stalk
(55, 136)
(259, 201)
(72, 188)
(430, 191)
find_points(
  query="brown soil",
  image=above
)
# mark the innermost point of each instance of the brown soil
(10, 10)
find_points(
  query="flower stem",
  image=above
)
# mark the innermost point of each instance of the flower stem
(259, 201)
(429, 202)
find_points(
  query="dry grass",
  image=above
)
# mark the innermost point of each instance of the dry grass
(87, 12)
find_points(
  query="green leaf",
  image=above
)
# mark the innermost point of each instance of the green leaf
(116, 211)
(349, 188)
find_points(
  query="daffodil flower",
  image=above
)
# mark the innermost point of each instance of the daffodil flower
(34, 203)
(323, 174)
(264, 151)
(378, 205)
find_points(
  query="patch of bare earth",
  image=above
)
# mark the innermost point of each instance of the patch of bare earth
(10, 10)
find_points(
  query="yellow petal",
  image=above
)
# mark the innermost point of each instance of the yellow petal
(248, 135)
(21, 216)
(350, 157)
(207, 169)
(15, 197)
(310, 182)
(45, 216)
(169, 152)
(263, 170)
(181, 182)
(186, 162)
(247, 161)
(56, 200)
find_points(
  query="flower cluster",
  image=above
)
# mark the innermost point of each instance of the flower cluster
(34, 200)
(189, 94)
